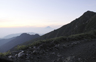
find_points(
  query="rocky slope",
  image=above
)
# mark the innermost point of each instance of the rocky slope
(65, 51)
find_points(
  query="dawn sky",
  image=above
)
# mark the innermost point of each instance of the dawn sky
(40, 13)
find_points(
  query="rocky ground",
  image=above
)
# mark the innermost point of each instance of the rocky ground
(68, 51)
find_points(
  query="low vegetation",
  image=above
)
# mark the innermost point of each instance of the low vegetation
(82, 36)
(5, 53)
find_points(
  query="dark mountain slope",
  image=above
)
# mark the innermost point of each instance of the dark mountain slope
(17, 34)
(3, 41)
(92, 24)
(75, 27)
(82, 24)
(18, 40)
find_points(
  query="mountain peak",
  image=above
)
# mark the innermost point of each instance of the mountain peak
(89, 12)
(24, 34)
(48, 27)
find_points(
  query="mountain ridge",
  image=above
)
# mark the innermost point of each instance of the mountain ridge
(76, 26)
(18, 40)
(17, 34)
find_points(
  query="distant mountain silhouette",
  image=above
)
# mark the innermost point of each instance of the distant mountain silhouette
(18, 40)
(3, 41)
(48, 27)
(84, 23)
(17, 34)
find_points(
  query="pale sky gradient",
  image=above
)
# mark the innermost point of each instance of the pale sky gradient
(41, 13)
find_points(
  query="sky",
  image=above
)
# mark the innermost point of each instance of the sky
(35, 15)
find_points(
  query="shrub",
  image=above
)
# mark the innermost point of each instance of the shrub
(19, 47)
(5, 53)
(81, 36)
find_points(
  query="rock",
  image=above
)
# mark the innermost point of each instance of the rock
(34, 51)
(10, 57)
(64, 45)
(79, 59)
(58, 55)
(16, 55)
(28, 57)
(53, 53)
(34, 47)
(20, 54)
(29, 47)
(69, 59)
(59, 60)
(57, 46)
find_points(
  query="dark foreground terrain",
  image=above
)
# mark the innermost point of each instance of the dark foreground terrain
(70, 51)
(4, 60)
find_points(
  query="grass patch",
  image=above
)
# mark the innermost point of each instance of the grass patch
(82, 36)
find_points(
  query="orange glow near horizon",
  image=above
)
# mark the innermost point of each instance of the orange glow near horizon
(10, 24)
(25, 22)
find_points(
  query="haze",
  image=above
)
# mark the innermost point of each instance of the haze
(18, 16)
